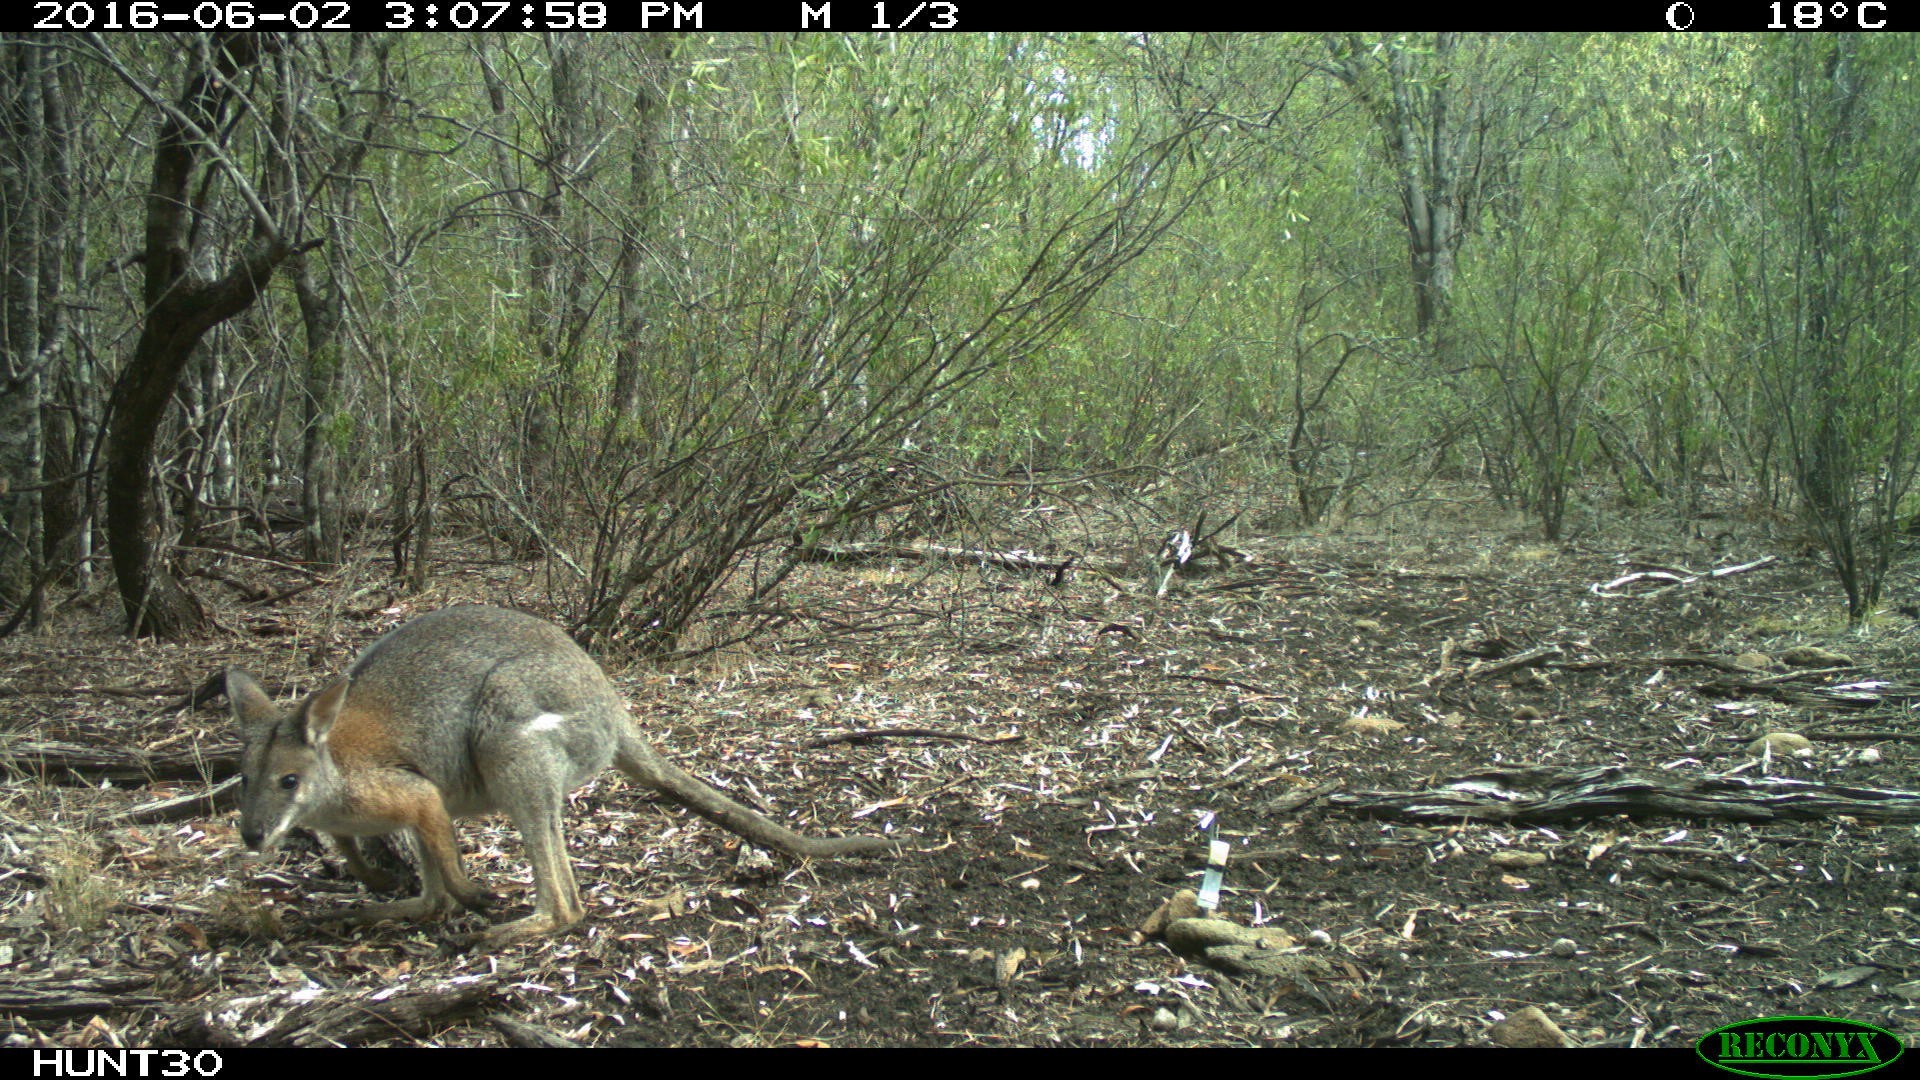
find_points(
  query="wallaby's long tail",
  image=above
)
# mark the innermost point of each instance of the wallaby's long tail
(639, 760)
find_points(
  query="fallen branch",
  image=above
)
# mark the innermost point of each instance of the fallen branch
(311, 1017)
(1547, 795)
(207, 803)
(1674, 579)
(72, 997)
(910, 733)
(1483, 669)
(1859, 695)
(90, 765)
(1604, 662)
(111, 691)
(531, 526)
(1233, 684)
(865, 550)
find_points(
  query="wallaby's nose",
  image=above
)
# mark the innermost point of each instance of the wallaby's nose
(252, 837)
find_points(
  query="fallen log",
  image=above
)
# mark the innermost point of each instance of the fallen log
(310, 1017)
(1546, 795)
(62, 762)
(867, 550)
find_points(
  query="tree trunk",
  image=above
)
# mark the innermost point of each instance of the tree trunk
(642, 218)
(320, 308)
(22, 352)
(155, 603)
(63, 510)
(182, 305)
(1827, 468)
(558, 300)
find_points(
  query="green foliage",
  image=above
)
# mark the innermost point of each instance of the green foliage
(340, 429)
(1542, 309)
(1655, 262)
(1829, 290)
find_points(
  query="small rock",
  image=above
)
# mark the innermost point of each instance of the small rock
(1527, 714)
(1758, 661)
(1781, 744)
(1869, 756)
(1185, 904)
(1165, 1019)
(1319, 939)
(1247, 960)
(1516, 860)
(1564, 948)
(1194, 936)
(1529, 1027)
(1814, 656)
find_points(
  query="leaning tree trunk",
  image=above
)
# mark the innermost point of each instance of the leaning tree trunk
(182, 305)
(155, 602)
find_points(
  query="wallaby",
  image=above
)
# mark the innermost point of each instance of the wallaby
(460, 712)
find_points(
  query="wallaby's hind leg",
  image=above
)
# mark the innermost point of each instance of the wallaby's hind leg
(556, 903)
(539, 747)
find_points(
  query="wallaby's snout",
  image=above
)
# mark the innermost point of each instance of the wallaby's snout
(257, 839)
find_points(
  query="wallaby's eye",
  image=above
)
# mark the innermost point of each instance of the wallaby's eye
(289, 781)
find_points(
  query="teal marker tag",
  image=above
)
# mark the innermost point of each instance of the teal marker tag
(1210, 881)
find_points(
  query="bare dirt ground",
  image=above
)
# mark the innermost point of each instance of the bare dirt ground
(1047, 751)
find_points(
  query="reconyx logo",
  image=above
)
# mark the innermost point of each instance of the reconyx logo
(1799, 1047)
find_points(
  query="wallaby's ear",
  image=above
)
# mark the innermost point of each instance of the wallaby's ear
(324, 709)
(249, 704)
